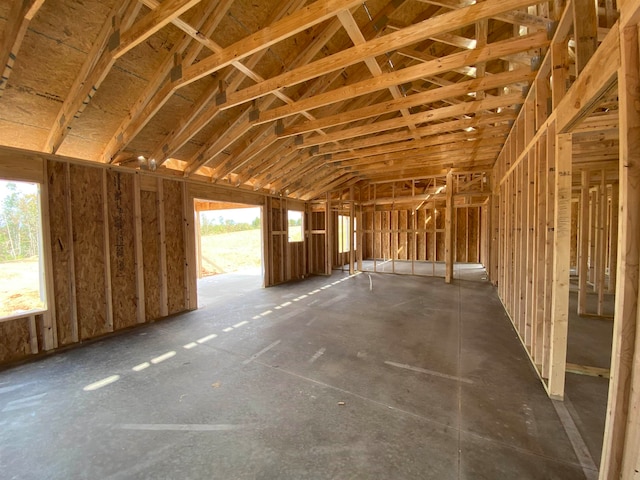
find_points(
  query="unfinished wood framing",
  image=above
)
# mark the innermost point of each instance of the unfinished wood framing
(412, 136)
(535, 216)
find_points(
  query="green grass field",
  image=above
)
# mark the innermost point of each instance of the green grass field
(230, 252)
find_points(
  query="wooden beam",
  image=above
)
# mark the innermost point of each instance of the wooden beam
(620, 446)
(92, 73)
(449, 241)
(304, 18)
(560, 278)
(594, 82)
(453, 141)
(404, 75)
(49, 325)
(190, 257)
(350, 25)
(108, 289)
(138, 251)
(413, 34)
(20, 15)
(423, 117)
(150, 24)
(162, 242)
(585, 28)
(145, 111)
(517, 17)
(583, 244)
(418, 99)
(588, 370)
(209, 18)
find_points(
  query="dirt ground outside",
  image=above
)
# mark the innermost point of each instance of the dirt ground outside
(19, 287)
(222, 253)
(231, 252)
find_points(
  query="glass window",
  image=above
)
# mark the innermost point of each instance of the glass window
(21, 267)
(295, 226)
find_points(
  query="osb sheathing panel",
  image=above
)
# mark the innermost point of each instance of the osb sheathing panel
(20, 136)
(74, 23)
(160, 125)
(57, 41)
(296, 260)
(75, 146)
(14, 340)
(89, 248)
(151, 253)
(121, 248)
(277, 249)
(175, 245)
(61, 249)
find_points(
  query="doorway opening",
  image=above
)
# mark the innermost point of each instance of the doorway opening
(228, 244)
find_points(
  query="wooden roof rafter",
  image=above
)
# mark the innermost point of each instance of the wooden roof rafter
(20, 16)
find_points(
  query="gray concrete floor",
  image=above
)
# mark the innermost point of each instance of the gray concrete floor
(366, 377)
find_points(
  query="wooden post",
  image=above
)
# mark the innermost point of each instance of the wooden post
(138, 251)
(107, 255)
(583, 250)
(549, 248)
(541, 238)
(190, 262)
(360, 236)
(448, 231)
(329, 236)
(162, 241)
(585, 26)
(352, 224)
(560, 279)
(602, 241)
(199, 244)
(50, 330)
(75, 330)
(622, 432)
(531, 250)
(493, 236)
(613, 251)
(266, 243)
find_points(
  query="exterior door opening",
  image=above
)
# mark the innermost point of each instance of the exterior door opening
(228, 242)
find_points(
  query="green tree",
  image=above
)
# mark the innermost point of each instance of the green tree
(19, 224)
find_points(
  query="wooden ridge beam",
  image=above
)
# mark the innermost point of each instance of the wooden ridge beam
(415, 33)
(418, 99)
(494, 50)
(20, 15)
